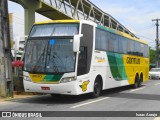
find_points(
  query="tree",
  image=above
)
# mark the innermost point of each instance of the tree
(152, 55)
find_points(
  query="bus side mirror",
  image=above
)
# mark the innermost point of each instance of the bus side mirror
(76, 42)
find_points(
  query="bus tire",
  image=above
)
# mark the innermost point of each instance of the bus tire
(136, 84)
(97, 88)
(140, 81)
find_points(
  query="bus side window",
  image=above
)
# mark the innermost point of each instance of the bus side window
(122, 45)
(141, 49)
(137, 49)
(104, 41)
(110, 44)
(115, 43)
(98, 39)
(130, 47)
(145, 51)
(101, 40)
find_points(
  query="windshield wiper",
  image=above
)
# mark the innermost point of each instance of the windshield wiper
(40, 60)
(52, 60)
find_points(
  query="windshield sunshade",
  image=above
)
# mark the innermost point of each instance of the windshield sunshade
(54, 30)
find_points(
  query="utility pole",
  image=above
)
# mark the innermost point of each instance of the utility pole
(157, 41)
(6, 79)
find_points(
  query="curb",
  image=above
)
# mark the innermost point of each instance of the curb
(18, 95)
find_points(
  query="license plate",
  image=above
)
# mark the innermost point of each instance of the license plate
(45, 88)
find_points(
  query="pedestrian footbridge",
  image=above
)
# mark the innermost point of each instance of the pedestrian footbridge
(68, 9)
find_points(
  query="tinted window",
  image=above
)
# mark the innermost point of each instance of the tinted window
(110, 46)
(130, 47)
(142, 49)
(98, 39)
(122, 45)
(137, 48)
(108, 41)
(145, 51)
(104, 40)
(113, 43)
(101, 40)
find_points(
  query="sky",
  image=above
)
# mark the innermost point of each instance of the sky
(136, 15)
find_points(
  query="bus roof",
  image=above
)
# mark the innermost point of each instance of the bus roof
(58, 21)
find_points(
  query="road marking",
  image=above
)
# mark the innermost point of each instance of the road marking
(157, 84)
(137, 89)
(89, 102)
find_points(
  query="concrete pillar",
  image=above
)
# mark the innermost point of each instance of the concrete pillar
(29, 20)
(6, 81)
(30, 7)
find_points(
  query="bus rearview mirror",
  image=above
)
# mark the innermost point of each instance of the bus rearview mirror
(76, 42)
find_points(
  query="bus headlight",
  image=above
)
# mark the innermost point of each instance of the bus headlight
(27, 78)
(68, 79)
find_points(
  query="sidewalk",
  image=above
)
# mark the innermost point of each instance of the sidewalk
(17, 96)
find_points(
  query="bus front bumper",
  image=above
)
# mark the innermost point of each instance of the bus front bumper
(69, 88)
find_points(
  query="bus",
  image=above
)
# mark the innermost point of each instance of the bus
(74, 57)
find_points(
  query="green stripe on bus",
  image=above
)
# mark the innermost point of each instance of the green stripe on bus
(52, 78)
(117, 66)
(106, 29)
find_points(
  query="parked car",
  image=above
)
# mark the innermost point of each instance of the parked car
(154, 73)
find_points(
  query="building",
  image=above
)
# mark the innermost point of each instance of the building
(18, 47)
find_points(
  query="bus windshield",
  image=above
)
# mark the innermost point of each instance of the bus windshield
(49, 55)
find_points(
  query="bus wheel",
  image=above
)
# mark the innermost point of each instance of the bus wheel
(97, 88)
(140, 81)
(137, 82)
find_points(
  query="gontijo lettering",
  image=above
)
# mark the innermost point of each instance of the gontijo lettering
(131, 60)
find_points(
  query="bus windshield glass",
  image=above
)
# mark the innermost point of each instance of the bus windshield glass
(49, 55)
(54, 30)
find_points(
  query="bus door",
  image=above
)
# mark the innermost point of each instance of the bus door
(86, 48)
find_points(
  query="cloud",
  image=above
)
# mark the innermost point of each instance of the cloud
(118, 10)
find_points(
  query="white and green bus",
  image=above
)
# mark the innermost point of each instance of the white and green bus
(76, 57)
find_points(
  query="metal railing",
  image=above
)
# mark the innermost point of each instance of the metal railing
(81, 10)
(84, 9)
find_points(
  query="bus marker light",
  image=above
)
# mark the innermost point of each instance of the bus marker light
(51, 42)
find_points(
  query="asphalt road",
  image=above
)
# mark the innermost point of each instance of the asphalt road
(145, 98)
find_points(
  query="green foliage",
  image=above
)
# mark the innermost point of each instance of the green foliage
(152, 55)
